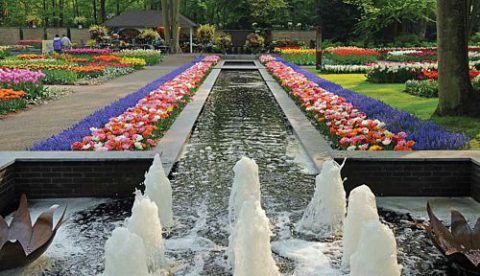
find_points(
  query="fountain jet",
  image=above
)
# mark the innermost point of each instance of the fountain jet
(159, 190)
(145, 223)
(326, 211)
(249, 244)
(361, 208)
(461, 244)
(376, 253)
(125, 254)
(246, 184)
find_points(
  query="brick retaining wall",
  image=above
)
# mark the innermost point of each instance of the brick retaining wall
(120, 177)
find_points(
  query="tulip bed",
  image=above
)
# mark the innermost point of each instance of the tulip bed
(82, 65)
(297, 55)
(17, 86)
(137, 120)
(316, 95)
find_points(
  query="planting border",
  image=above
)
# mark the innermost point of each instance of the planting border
(63, 140)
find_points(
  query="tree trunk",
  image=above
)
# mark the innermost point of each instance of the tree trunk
(60, 12)
(54, 14)
(118, 7)
(95, 19)
(170, 14)
(45, 13)
(103, 11)
(455, 92)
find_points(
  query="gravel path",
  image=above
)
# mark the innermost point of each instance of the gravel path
(21, 130)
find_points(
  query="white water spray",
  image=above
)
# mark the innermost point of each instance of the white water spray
(376, 253)
(249, 244)
(159, 190)
(125, 254)
(246, 184)
(326, 211)
(361, 208)
(145, 223)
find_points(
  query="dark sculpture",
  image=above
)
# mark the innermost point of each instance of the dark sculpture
(20, 243)
(461, 245)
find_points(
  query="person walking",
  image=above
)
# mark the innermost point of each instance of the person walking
(66, 43)
(57, 44)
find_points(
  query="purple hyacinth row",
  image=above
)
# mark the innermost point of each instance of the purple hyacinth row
(426, 134)
(63, 140)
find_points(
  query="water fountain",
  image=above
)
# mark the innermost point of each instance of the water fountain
(159, 190)
(145, 223)
(249, 243)
(246, 184)
(361, 208)
(326, 211)
(376, 253)
(125, 254)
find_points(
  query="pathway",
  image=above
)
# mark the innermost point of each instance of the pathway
(21, 130)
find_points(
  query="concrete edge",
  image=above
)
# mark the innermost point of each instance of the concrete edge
(315, 145)
(172, 143)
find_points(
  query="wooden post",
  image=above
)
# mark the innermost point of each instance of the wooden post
(318, 48)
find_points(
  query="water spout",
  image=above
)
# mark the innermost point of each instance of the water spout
(376, 253)
(361, 208)
(145, 223)
(125, 254)
(249, 244)
(326, 211)
(159, 190)
(246, 184)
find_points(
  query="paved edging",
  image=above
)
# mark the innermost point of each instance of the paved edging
(315, 145)
(173, 142)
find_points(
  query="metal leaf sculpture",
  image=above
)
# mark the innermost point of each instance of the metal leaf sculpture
(460, 244)
(20, 243)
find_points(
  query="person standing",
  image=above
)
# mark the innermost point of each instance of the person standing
(57, 44)
(66, 43)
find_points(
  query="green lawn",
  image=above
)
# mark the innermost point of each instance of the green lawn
(393, 95)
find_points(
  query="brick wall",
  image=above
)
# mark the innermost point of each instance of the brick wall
(79, 178)
(119, 178)
(475, 184)
(7, 192)
(409, 177)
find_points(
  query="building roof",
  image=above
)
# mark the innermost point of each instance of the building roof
(144, 19)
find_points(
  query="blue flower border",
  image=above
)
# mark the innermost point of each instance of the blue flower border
(63, 140)
(426, 134)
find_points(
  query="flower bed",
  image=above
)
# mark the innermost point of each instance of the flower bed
(422, 88)
(350, 55)
(119, 110)
(426, 134)
(347, 127)
(151, 57)
(390, 72)
(22, 80)
(88, 51)
(11, 100)
(297, 55)
(344, 69)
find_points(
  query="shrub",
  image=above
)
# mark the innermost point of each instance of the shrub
(422, 88)
(148, 35)
(206, 34)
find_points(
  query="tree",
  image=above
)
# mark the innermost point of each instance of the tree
(170, 14)
(455, 92)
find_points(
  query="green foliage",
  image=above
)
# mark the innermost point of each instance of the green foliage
(206, 34)
(59, 77)
(380, 15)
(300, 59)
(330, 58)
(148, 35)
(422, 88)
(12, 105)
